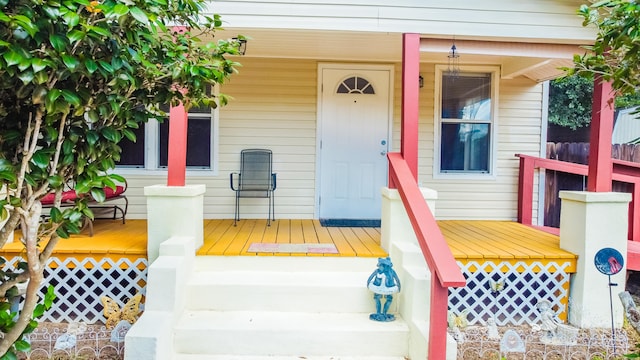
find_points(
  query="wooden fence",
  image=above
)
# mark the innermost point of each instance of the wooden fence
(577, 153)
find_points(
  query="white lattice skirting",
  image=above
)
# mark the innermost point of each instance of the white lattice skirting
(524, 285)
(79, 284)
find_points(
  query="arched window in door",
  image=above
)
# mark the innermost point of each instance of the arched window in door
(355, 85)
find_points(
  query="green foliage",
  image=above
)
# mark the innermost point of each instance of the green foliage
(8, 321)
(635, 354)
(571, 98)
(614, 55)
(570, 101)
(92, 71)
(628, 101)
(75, 77)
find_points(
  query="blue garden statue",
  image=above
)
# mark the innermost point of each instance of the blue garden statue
(383, 282)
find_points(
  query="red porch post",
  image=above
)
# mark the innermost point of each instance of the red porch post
(177, 159)
(410, 88)
(634, 213)
(177, 152)
(525, 191)
(600, 165)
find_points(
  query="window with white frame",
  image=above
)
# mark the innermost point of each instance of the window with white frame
(150, 151)
(465, 113)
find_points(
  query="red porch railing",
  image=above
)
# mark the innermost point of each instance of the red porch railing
(623, 171)
(445, 272)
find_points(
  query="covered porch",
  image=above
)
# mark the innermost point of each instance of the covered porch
(529, 261)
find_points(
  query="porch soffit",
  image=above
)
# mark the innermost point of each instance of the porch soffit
(536, 61)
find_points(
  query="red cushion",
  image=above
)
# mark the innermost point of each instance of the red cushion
(70, 195)
(110, 193)
(67, 196)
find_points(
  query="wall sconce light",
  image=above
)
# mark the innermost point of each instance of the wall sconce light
(420, 81)
(242, 48)
(453, 61)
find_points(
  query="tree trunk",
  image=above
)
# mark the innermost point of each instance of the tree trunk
(30, 226)
(630, 310)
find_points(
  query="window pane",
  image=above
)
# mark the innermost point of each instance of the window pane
(464, 147)
(198, 142)
(133, 152)
(355, 85)
(466, 96)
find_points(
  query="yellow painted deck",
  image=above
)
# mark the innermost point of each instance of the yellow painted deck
(222, 238)
(503, 241)
(111, 239)
(495, 241)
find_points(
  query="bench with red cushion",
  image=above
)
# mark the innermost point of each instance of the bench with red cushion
(100, 210)
(68, 196)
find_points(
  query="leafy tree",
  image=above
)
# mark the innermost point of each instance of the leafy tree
(571, 97)
(614, 55)
(76, 77)
(570, 101)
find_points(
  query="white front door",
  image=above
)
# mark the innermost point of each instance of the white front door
(354, 140)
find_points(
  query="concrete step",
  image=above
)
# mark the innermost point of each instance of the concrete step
(262, 333)
(286, 263)
(292, 291)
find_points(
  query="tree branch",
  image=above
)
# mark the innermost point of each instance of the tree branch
(56, 155)
(20, 278)
(9, 227)
(48, 249)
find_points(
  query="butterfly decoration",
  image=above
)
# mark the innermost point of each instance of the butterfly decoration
(496, 286)
(458, 321)
(114, 314)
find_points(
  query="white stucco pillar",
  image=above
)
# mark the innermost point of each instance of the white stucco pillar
(395, 225)
(173, 211)
(589, 222)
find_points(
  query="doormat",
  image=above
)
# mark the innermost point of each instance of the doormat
(293, 248)
(349, 223)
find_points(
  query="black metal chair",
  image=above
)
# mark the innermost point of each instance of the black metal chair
(255, 180)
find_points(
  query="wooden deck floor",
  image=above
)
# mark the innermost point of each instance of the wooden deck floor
(505, 241)
(468, 240)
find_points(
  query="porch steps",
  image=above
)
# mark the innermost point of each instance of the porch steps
(273, 307)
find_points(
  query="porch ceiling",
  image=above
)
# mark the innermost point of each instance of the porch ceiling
(536, 61)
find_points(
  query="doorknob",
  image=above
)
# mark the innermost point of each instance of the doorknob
(383, 153)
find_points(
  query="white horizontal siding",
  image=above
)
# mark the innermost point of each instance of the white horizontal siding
(518, 131)
(274, 107)
(266, 113)
(496, 18)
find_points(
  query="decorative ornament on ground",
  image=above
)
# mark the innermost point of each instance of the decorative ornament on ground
(69, 339)
(384, 282)
(511, 342)
(114, 314)
(492, 330)
(456, 323)
(120, 331)
(555, 332)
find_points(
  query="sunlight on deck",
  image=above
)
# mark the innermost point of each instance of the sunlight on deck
(468, 240)
(222, 238)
